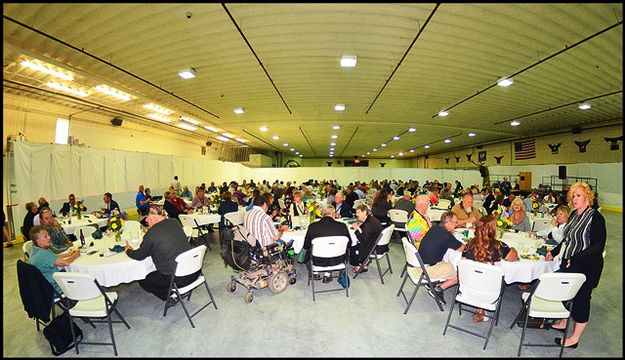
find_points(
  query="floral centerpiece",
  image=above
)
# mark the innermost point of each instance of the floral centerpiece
(214, 198)
(503, 221)
(535, 206)
(79, 208)
(314, 210)
(116, 223)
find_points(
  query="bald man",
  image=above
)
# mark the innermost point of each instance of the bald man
(419, 222)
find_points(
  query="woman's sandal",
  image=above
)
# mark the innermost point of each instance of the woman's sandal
(356, 269)
(365, 268)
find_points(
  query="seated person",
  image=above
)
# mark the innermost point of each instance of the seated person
(465, 211)
(43, 203)
(60, 240)
(142, 202)
(367, 233)
(31, 211)
(556, 232)
(186, 193)
(434, 197)
(259, 224)
(381, 205)
(342, 208)
(484, 247)
(44, 259)
(163, 241)
(250, 203)
(507, 202)
(200, 199)
(226, 206)
(519, 218)
(70, 206)
(326, 226)
(273, 209)
(433, 247)
(169, 206)
(419, 222)
(109, 204)
(405, 203)
(297, 207)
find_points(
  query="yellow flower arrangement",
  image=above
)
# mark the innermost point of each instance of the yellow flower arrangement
(79, 208)
(503, 219)
(314, 209)
(116, 223)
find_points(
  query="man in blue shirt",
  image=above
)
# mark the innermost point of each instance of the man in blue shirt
(44, 259)
(142, 202)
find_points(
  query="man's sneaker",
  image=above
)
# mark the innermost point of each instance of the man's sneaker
(437, 292)
(327, 278)
(173, 300)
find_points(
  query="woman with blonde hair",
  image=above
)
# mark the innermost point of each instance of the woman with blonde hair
(485, 248)
(518, 217)
(581, 252)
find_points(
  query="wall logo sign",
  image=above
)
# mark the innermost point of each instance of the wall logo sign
(469, 157)
(446, 160)
(498, 158)
(554, 148)
(481, 156)
(457, 159)
(614, 142)
(582, 145)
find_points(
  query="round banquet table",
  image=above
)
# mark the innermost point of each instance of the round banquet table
(435, 213)
(298, 237)
(530, 264)
(86, 220)
(112, 268)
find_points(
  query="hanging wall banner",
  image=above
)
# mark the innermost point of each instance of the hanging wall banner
(554, 148)
(469, 157)
(613, 142)
(498, 158)
(481, 156)
(457, 159)
(582, 145)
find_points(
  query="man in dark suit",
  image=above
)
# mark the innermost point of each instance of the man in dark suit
(70, 205)
(327, 226)
(109, 204)
(341, 207)
(351, 196)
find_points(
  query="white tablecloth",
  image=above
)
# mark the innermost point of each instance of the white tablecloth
(299, 235)
(87, 219)
(435, 213)
(113, 268)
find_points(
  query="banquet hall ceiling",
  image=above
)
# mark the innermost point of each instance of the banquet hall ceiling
(280, 62)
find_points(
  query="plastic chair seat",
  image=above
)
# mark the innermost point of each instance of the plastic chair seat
(316, 268)
(93, 307)
(193, 285)
(415, 274)
(474, 302)
(545, 308)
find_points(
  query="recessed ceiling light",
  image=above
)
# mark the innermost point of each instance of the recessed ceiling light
(263, 128)
(375, 149)
(426, 146)
(383, 145)
(223, 138)
(186, 126)
(472, 134)
(392, 156)
(412, 129)
(300, 155)
(47, 69)
(159, 117)
(334, 136)
(297, 153)
(585, 106)
(395, 137)
(332, 144)
(505, 82)
(331, 149)
(189, 120)
(336, 127)
(285, 144)
(292, 149)
(349, 60)
(362, 155)
(239, 110)
(331, 155)
(411, 150)
(443, 113)
(515, 123)
(187, 73)
(157, 108)
(210, 128)
(368, 153)
(401, 154)
(447, 141)
(276, 137)
(339, 107)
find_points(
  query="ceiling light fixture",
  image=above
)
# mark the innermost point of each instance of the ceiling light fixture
(332, 144)
(292, 149)
(505, 82)
(392, 156)
(339, 107)
(374, 149)
(187, 73)
(240, 140)
(336, 127)
(297, 153)
(368, 153)
(515, 123)
(383, 145)
(276, 137)
(68, 89)
(412, 129)
(186, 126)
(472, 134)
(229, 136)
(263, 128)
(334, 136)
(395, 138)
(349, 60)
(585, 106)
(443, 113)
(447, 141)
(300, 155)
(189, 120)
(331, 155)
(158, 109)
(113, 92)
(331, 149)
(48, 70)
(223, 138)
(159, 117)
(401, 154)
(411, 150)
(210, 128)
(285, 144)
(239, 110)
(426, 146)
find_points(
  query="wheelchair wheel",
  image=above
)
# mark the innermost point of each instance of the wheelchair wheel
(231, 287)
(278, 282)
(248, 297)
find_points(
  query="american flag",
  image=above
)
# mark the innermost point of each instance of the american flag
(525, 150)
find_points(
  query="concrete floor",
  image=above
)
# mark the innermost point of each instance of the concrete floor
(370, 323)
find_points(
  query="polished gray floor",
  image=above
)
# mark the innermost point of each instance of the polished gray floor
(370, 323)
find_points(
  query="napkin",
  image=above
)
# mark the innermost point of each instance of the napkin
(542, 251)
(551, 242)
(97, 235)
(117, 248)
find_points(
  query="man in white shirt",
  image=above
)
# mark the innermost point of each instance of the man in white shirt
(176, 184)
(259, 224)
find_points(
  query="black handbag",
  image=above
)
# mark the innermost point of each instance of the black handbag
(59, 334)
(535, 322)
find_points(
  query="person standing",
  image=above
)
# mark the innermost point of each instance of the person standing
(581, 252)
(176, 184)
(164, 241)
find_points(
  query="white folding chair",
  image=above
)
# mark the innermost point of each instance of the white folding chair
(192, 229)
(281, 203)
(545, 300)
(479, 286)
(399, 219)
(235, 218)
(93, 302)
(417, 272)
(188, 263)
(541, 224)
(383, 239)
(444, 204)
(329, 247)
(132, 225)
(26, 248)
(87, 231)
